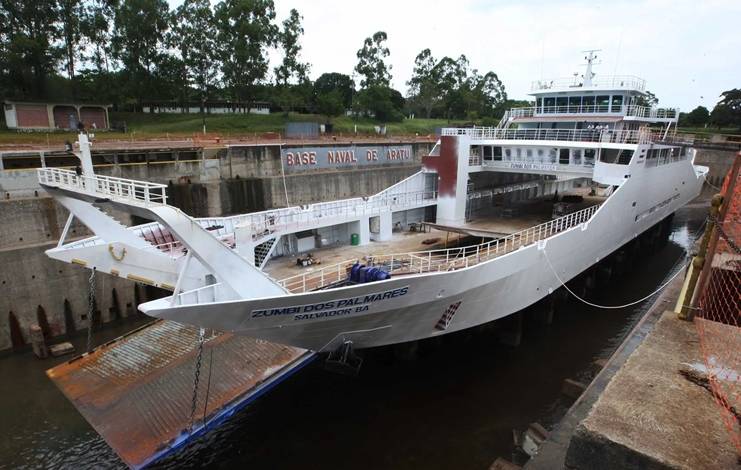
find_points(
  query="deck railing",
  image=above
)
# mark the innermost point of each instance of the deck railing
(624, 110)
(572, 135)
(438, 260)
(140, 191)
(296, 218)
(624, 82)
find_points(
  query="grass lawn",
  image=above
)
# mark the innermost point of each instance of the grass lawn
(151, 126)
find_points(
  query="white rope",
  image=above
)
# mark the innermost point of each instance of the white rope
(612, 306)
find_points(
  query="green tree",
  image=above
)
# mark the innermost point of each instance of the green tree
(96, 28)
(424, 90)
(696, 118)
(330, 104)
(140, 28)
(331, 82)
(728, 110)
(382, 102)
(245, 31)
(291, 69)
(71, 14)
(29, 32)
(371, 66)
(194, 34)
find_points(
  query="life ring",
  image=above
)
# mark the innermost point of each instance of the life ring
(113, 253)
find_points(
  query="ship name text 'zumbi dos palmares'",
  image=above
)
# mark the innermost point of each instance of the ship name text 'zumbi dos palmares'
(591, 150)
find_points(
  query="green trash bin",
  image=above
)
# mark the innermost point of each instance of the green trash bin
(355, 239)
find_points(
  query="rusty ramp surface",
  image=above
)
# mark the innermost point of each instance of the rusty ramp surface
(137, 390)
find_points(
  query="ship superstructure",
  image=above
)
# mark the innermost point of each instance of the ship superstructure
(591, 151)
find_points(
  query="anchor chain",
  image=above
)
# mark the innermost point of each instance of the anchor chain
(90, 309)
(199, 358)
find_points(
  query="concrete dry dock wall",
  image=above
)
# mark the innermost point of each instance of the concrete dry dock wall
(210, 182)
(719, 162)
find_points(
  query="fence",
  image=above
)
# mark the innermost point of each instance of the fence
(717, 302)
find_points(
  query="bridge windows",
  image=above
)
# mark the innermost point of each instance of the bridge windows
(617, 103)
(603, 104)
(587, 104)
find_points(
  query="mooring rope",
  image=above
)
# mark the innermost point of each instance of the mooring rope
(591, 304)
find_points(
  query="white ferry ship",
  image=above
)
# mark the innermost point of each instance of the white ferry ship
(590, 140)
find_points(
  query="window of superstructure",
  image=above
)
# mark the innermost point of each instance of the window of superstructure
(575, 104)
(497, 152)
(518, 152)
(529, 153)
(487, 152)
(603, 104)
(508, 153)
(563, 156)
(562, 103)
(587, 104)
(617, 103)
(549, 104)
(624, 157)
(589, 155)
(576, 156)
(552, 155)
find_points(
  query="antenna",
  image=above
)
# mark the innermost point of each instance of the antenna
(590, 58)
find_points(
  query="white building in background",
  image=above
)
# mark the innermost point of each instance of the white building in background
(211, 107)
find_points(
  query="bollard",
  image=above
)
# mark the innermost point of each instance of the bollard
(37, 342)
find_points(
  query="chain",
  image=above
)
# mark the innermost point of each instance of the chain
(90, 310)
(199, 357)
(724, 235)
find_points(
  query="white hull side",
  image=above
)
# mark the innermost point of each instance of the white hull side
(487, 291)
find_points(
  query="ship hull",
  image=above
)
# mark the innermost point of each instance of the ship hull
(413, 307)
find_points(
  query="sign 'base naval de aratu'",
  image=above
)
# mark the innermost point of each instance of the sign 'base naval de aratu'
(326, 158)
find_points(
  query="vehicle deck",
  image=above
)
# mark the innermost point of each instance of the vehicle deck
(137, 390)
(490, 223)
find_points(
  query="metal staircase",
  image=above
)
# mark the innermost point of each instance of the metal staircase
(264, 250)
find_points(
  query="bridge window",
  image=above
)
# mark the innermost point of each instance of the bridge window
(575, 104)
(587, 104)
(603, 104)
(550, 104)
(562, 104)
(617, 103)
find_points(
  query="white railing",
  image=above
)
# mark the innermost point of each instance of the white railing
(297, 218)
(626, 82)
(438, 260)
(573, 135)
(652, 113)
(629, 111)
(142, 191)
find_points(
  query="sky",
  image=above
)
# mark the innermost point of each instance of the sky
(688, 51)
